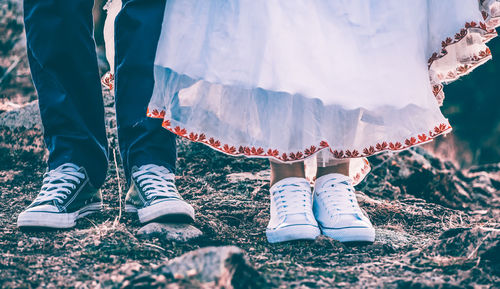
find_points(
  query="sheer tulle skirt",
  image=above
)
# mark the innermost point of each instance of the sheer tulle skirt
(288, 79)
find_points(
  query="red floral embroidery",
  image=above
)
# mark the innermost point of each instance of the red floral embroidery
(180, 131)
(369, 151)
(310, 151)
(338, 154)
(487, 29)
(381, 146)
(423, 138)
(411, 141)
(364, 171)
(107, 80)
(214, 143)
(300, 155)
(229, 149)
(193, 137)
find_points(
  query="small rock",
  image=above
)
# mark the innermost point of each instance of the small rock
(395, 239)
(238, 177)
(227, 266)
(27, 116)
(170, 232)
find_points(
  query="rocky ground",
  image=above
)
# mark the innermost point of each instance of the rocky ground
(437, 225)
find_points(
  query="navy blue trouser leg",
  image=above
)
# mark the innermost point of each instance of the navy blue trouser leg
(142, 140)
(63, 62)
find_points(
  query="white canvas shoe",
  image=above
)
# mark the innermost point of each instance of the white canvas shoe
(291, 212)
(66, 196)
(154, 196)
(337, 210)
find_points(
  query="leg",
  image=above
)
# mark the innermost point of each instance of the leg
(99, 19)
(335, 167)
(142, 140)
(62, 57)
(281, 171)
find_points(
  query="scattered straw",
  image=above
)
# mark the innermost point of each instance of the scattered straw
(117, 220)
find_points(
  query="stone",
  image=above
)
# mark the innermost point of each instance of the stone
(26, 116)
(396, 239)
(225, 266)
(246, 176)
(172, 232)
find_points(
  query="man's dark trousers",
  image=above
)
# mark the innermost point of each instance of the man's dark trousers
(63, 62)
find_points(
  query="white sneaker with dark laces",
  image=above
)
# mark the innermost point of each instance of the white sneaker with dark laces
(291, 212)
(337, 210)
(66, 196)
(154, 196)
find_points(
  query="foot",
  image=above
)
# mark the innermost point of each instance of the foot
(66, 196)
(337, 210)
(291, 212)
(153, 196)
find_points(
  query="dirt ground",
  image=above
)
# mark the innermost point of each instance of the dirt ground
(437, 226)
(410, 251)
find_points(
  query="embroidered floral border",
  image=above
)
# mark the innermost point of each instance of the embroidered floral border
(362, 173)
(485, 29)
(299, 155)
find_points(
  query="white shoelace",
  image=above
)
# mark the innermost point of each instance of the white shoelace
(292, 198)
(156, 181)
(58, 183)
(338, 196)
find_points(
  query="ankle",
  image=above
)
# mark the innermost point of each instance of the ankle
(340, 168)
(282, 171)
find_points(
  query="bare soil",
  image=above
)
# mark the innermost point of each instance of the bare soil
(103, 250)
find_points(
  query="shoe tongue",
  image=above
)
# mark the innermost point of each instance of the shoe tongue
(158, 199)
(152, 167)
(336, 178)
(291, 180)
(67, 167)
(47, 206)
(357, 218)
(297, 218)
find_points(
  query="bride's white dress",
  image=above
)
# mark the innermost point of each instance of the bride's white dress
(287, 79)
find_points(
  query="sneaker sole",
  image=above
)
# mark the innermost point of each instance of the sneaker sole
(350, 234)
(55, 220)
(173, 210)
(293, 232)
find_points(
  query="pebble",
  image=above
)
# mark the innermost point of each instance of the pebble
(26, 116)
(171, 232)
(206, 264)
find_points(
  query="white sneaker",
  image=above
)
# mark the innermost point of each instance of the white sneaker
(66, 196)
(337, 210)
(154, 196)
(291, 212)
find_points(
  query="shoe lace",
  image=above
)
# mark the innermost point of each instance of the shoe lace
(59, 183)
(338, 196)
(156, 181)
(292, 198)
